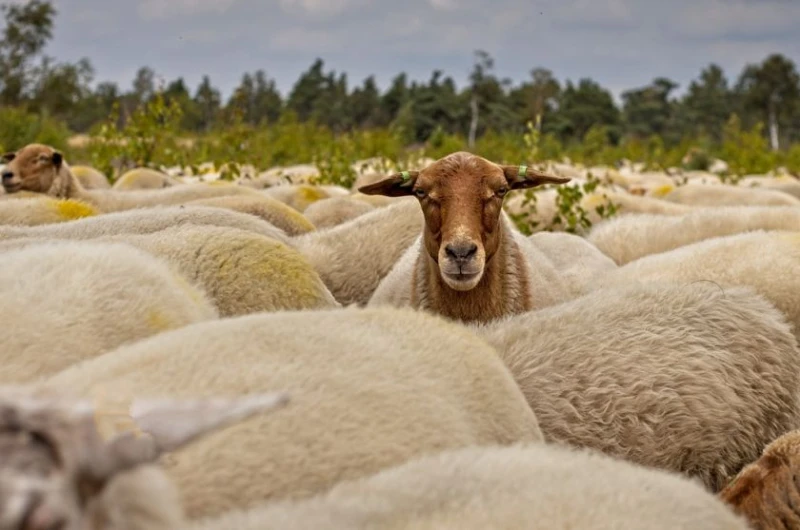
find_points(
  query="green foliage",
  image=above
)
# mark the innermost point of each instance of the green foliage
(18, 128)
(746, 151)
(149, 137)
(697, 160)
(792, 160)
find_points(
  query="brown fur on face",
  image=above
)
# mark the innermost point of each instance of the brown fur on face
(767, 492)
(33, 168)
(461, 196)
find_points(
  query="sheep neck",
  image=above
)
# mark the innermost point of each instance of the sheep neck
(503, 289)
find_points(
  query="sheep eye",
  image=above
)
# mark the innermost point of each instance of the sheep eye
(419, 193)
(501, 192)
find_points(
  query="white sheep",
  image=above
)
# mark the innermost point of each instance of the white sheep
(70, 301)
(144, 178)
(301, 196)
(41, 169)
(727, 195)
(142, 221)
(535, 487)
(577, 260)
(242, 272)
(769, 262)
(354, 257)
(286, 218)
(628, 238)
(471, 263)
(692, 379)
(40, 210)
(371, 389)
(66, 465)
(90, 178)
(328, 213)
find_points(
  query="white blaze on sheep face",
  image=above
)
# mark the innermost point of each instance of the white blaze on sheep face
(461, 196)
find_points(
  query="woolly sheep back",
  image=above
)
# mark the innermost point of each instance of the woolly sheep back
(535, 487)
(240, 271)
(145, 221)
(727, 195)
(354, 257)
(370, 389)
(144, 179)
(332, 212)
(769, 262)
(41, 210)
(90, 178)
(629, 238)
(692, 379)
(286, 218)
(65, 302)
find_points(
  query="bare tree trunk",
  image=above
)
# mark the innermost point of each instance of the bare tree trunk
(473, 124)
(774, 136)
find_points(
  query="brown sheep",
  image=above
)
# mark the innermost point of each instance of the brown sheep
(767, 492)
(469, 264)
(41, 169)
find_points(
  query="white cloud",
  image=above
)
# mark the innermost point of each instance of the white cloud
(444, 5)
(743, 18)
(318, 7)
(160, 9)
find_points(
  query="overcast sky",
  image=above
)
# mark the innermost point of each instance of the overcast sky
(620, 43)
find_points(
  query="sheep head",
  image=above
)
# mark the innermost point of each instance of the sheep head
(56, 463)
(36, 168)
(461, 196)
(767, 492)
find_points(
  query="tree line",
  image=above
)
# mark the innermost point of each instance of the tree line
(765, 94)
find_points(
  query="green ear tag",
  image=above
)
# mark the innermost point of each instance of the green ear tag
(406, 176)
(522, 171)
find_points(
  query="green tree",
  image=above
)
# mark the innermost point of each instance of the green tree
(208, 103)
(771, 92)
(580, 107)
(28, 27)
(648, 111)
(307, 91)
(537, 99)
(707, 105)
(365, 105)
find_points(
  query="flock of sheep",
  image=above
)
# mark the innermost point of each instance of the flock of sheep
(250, 355)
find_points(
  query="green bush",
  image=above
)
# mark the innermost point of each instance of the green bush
(19, 128)
(746, 151)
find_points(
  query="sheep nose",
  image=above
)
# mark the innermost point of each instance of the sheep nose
(7, 175)
(461, 252)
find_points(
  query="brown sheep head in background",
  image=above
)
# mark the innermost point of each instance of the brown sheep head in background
(57, 463)
(34, 168)
(767, 492)
(461, 196)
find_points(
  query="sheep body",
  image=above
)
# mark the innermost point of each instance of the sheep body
(526, 486)
(354, 257)
(242, 272)
(629, 238)
(37, 211)
(370, 389)
(144, 221)
(726, 195)
(301, 196)
(577, 260)
(70, 301)
(748, 259)
(144, 179)
(690, 379)
(288, 219)
(334, 211)
(90, 178)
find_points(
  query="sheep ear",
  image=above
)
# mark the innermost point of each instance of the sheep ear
(398, 185)
(8, 157)
(57, 159)
(162, 426)
(523, 176)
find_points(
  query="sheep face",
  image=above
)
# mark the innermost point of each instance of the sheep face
(767, 492)
(32, 168)
(56, 463)
(461, 196)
